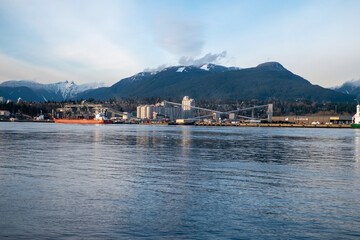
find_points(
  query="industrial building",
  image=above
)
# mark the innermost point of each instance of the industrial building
(4, 113)
(166, 110)
(187, 111)
(313, 119)
(144, 112)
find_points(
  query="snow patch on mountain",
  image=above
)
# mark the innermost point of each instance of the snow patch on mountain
(69, 89)
(140, 76)
(65, 89)
(205, 67)
(217, 68)
(180, 69)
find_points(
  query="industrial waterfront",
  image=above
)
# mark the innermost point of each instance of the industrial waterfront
(184, 113)
(177, 182)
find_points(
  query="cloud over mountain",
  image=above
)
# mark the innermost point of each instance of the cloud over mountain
(208, 58)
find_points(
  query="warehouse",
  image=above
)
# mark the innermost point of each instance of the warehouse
(313, 119)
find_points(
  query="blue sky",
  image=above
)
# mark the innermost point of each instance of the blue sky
(105, 41)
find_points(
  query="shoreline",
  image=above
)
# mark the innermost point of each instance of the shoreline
(276, 125)
(281, 125)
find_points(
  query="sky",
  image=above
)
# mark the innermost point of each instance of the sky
(105, 41)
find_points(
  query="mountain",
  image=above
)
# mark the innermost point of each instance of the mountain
(266, 81)
(350, 87)
(26, 94)
(217, 68)
(33, 91)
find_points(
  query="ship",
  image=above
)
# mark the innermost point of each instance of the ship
(356, 118)
(99, 118)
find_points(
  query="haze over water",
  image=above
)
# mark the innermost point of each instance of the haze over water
(178, 182)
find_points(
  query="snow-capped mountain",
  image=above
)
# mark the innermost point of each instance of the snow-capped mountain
(22, 83)
(351, 87)
(209, 81)
(140, 76)
(69, 89)
(207, 67)
(179, 69)
(217, 68)
(48, 92)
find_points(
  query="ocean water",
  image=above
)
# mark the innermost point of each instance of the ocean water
(178, 182)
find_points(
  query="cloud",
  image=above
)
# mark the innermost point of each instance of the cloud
(14, 69)
(88, 42)
(180, 37)
(157, 69)
(96, 52)
(208, 58)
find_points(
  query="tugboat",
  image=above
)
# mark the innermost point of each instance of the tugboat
(356, 118)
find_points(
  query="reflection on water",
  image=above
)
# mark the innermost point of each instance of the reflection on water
(175, 182)
(357, 146)
(186, 142)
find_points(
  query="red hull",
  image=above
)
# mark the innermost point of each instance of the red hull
(82, 121)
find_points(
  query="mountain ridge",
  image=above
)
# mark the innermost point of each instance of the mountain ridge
(265, 81)
(350, 87)
(59, 91)
(268, 80)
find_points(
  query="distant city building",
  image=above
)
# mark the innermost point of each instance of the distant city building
(2, 100)
(8, 101)
(19, 100)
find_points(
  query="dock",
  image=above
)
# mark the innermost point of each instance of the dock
(275, 125)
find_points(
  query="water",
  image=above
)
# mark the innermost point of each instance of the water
(178, 182)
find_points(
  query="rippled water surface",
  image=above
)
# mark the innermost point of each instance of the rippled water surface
(178, 182)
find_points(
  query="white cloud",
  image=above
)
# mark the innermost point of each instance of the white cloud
(208, 58)
(14, 69)
(180, 37)
(109, 40)
(157, 69)
(97, 52)
(81, 35)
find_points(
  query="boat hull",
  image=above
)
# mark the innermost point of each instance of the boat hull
(83, 121)
(355, 125)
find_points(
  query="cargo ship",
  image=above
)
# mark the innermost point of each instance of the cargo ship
(356, 118)
(99, 118)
